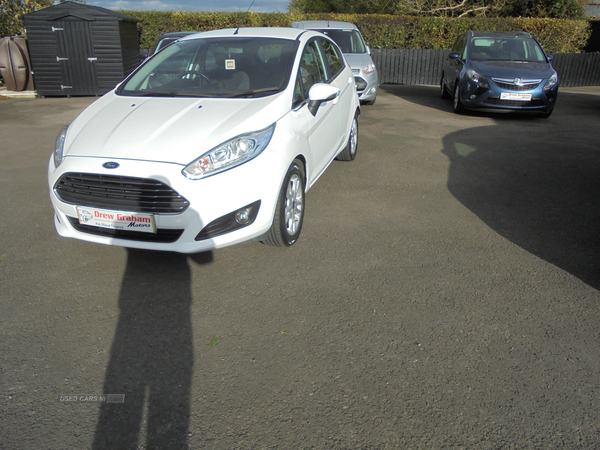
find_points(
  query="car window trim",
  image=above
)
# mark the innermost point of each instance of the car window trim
(331, 76)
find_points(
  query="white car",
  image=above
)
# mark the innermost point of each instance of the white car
(358, 54)
(211, 142)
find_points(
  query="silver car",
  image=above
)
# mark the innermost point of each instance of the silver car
(347, 36)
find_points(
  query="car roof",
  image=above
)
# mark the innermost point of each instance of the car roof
(177, 34)
(321, 24)
(501, 34)
(274, 32)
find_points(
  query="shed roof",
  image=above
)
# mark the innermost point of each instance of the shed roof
(78, 10)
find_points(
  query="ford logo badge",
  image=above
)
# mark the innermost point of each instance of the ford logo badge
(110, 165)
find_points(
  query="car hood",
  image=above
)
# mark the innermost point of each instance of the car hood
(513, 69)
(357, 60)
(174, 130)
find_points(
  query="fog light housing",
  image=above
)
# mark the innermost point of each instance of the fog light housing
(242, 216)
(230, 222)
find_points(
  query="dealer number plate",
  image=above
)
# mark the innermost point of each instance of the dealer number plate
(116, 220)
(515, 96)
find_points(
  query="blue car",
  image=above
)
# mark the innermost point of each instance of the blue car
(499, 71)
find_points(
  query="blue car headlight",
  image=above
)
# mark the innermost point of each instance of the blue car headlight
(552, 81)
(477, 78)
(232, 153)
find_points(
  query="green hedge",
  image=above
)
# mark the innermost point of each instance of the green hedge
(380, 31)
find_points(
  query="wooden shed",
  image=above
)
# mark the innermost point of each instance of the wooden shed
(78, 49)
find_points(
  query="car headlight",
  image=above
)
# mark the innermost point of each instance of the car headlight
(477, 78)
(229, 154)
(59, 147)
(370, 68)
(552, 81)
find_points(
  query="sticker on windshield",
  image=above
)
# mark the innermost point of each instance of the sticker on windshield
(230, 64)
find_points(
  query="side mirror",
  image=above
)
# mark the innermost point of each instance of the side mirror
(550, 57)
(368, 49)
(321, 93)
(453, 55)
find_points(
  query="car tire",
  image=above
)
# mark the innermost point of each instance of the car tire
(547, 114)
(370, 102)
(289, 212)
(457, 104)
(349, 152)
(443, 91)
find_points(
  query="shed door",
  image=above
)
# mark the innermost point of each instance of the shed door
(76, 57)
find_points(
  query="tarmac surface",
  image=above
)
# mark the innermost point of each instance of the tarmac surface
(444, 294)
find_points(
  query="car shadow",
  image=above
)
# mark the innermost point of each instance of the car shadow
(152, 357)
(428, 96)
(536, 183)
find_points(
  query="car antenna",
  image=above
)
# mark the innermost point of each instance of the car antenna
(238, 28)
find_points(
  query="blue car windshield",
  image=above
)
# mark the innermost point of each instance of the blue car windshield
(223, 67)
(511, 49)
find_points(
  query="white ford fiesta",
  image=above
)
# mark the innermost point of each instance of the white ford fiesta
(211, 142)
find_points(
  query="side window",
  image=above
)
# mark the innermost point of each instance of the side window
(460, 46)
(312, 70)
(333, 58)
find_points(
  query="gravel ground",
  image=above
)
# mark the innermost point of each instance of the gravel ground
(443, 295)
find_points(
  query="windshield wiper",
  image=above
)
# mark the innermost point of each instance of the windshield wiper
(170, 94)
(154, 94)
(252, 92)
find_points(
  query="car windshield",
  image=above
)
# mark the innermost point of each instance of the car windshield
(506, 49)
(349, 41)
(215, 67)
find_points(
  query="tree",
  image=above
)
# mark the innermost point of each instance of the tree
(11, 12)
(451, 8)
(559, 9)
(343, 6)
(555, 9)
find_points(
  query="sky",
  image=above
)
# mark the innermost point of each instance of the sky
(259, 6)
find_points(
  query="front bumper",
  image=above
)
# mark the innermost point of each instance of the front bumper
(210, 199)
(475, 96)
(366, 85)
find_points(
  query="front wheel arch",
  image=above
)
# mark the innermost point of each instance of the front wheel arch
(456, 103)
(443, 91)
(349, 151)
(289, 209)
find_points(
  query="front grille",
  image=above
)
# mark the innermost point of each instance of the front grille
(162, 235)
(514, 103)
(516, 84)
(142, 195)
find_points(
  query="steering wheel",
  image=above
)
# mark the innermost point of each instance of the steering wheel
(195, 73)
